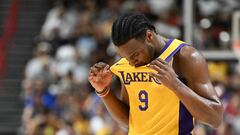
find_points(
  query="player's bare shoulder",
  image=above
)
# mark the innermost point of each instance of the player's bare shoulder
(188, 59)
(189, 54)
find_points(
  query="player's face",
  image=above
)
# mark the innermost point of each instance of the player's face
(136, 52)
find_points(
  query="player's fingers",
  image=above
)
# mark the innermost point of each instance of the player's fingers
(162, 61)
(95, 69)
(157, 68)
(90, 78)
(100, 65)
(159, 64)
(92, 75)
(99, 69)
(154, 75)
(100, 75)
(91, 72)
(106, 69)
(157, 76)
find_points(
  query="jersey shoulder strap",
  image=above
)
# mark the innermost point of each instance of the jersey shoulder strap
(171, 48)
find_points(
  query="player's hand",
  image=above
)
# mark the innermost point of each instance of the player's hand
(165, 73)
(100, 76)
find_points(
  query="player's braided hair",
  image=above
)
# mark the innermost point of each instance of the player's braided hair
(128, 26)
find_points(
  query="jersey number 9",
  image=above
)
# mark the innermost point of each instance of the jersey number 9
(143, 97)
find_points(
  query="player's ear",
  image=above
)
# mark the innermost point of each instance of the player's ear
(149, 36)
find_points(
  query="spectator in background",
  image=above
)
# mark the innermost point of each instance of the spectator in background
(41, 63)
(59, 23)
(38, 103)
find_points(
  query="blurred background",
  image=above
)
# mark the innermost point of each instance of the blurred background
(47, 47)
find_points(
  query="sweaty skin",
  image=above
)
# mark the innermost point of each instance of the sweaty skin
(198, 96)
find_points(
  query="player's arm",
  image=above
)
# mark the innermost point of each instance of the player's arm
(199, 96)
(100, 77)
(118, 108)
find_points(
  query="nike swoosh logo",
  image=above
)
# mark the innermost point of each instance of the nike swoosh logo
(118, 64)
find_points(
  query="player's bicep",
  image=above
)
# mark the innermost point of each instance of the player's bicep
(196, 73)
(124, 95)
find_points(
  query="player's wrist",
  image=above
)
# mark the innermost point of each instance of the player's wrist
(104, 92)
(177, 85)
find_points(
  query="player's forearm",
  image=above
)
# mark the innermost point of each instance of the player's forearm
(118, 110)
(206, 110)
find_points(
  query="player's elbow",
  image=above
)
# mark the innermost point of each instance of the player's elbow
(216, 117)
(215, 123)
(122, 120)
(124, 123)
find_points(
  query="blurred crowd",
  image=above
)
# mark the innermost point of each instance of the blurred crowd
(58, 100)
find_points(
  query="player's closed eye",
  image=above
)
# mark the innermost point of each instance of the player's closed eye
(135, 55)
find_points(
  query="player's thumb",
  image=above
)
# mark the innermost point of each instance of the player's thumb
(106, 69)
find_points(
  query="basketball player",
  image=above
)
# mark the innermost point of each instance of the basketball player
(165, 82)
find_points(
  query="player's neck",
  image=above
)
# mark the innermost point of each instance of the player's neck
(162, 41)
